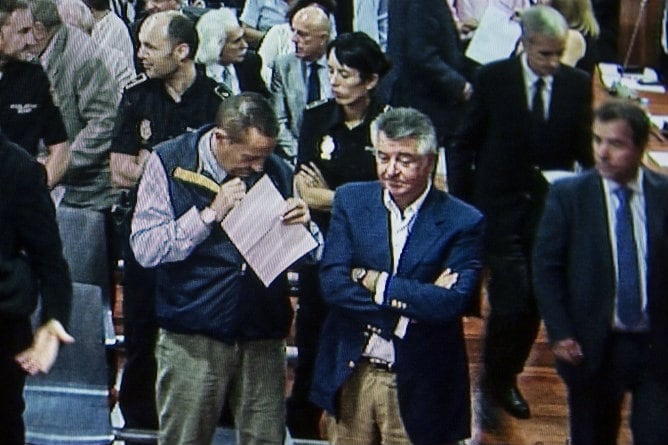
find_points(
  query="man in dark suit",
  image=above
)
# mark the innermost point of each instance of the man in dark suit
(31, 264)
(528, 114)
(600, 278)
(401, 263)
(428, 64)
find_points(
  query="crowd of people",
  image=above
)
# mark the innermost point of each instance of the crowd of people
(163, 116)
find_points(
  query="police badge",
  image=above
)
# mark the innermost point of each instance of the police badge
(145, 130)
(327, 147)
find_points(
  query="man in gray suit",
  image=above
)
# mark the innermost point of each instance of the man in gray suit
(301, 78)
(86, 93)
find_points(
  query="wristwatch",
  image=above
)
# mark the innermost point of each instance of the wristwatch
(358, 274)
(208, 215)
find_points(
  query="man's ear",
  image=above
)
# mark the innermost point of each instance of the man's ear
(182, 50)
(39, 31)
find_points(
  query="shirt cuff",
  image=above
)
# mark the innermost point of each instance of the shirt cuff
(193, 227)
(379, 296)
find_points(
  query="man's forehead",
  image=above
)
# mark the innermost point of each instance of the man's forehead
(20, 18)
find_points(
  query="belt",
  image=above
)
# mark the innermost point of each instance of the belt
(378, 364)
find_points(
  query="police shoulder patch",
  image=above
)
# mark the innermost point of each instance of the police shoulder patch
(141, 78)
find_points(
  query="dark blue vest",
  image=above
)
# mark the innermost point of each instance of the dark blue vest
(213, 292)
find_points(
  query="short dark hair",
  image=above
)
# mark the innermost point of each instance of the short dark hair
(98, 5)
(629, 112)
(237, 114)
(358, 50)
(326, 5)
(7, 8)
(46, 13)
(182, 30)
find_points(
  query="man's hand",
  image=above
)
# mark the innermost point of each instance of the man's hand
(568, 350)
(42, 354)
(228, 196)
(447, 279)
(296, 212)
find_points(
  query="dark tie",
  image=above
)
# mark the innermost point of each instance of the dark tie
(537, 106)
(629, 308)
(313, 84)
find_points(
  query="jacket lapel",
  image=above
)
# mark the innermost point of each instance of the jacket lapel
(426, 230)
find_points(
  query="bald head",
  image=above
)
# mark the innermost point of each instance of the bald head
(311, 32)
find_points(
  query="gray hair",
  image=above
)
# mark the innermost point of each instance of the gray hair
(212, 30)
(76, 13)
(46, 13)
(406, 123)
(237, 114)
(544, 21)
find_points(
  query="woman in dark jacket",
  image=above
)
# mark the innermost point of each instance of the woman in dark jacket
(333, 150)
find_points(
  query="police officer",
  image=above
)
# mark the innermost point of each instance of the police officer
(169, 98)
(27, 111)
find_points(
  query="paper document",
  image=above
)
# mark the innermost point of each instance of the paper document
(255, 228)
(553, 175)
(660, 158)
(495, 38)
(659, 120)
(647, 81)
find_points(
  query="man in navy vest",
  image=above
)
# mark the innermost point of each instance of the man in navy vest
(220, 327)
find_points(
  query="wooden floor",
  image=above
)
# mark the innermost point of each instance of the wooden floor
(539, 383)
(543, 390)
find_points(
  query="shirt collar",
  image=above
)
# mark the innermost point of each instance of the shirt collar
(207, 161)
(530, 77)
(635, 185)
(411, 209)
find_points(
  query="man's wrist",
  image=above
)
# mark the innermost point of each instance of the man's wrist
(208, 215)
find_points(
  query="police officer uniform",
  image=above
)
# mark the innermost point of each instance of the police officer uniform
(147, 116)
(27, 111)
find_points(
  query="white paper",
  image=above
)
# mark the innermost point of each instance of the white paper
(255, 227)
(495, 38)
(659, 157)
(553, 175)
(659, 120)
(611, 75)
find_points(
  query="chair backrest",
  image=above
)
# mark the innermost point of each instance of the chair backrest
(70, 404)
(84, 239)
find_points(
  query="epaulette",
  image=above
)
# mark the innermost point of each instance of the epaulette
(136, 81)
(315, 103)
(195, 178)
(222, 92)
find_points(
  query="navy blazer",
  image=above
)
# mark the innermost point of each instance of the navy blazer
(574, 272)
(431, 362)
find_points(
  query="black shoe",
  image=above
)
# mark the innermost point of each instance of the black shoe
(512, 401)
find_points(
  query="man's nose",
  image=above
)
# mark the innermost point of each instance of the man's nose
(392, 167)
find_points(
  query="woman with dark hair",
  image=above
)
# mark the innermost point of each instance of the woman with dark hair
(333, 149)
(334, 140)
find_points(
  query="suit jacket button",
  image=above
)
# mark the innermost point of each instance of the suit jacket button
(351, 364)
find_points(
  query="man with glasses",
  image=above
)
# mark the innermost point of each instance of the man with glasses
(401, 263)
